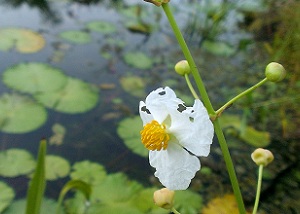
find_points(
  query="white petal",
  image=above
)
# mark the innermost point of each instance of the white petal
(145, 113)
(193, 128)
(175, 167)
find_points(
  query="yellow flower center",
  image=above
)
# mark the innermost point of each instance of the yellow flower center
(154, 136)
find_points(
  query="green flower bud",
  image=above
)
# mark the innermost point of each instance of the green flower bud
(262, 157)
(164, 198)
(157, 2)
(275, 72)
(182, 67)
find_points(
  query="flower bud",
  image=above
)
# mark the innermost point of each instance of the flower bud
(157, 2)
(182, 67)
(275, 72)
(164, 198)
(262, 156)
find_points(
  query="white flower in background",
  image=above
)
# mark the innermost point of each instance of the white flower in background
(175, 134)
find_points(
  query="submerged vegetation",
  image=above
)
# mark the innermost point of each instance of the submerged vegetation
(78, 81)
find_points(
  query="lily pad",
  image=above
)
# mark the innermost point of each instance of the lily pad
(76, 97)
(56, 167)
(76, 36)
(34, 77)
(20, 114)
(138, 60)
(6, 196)
(133, 85)
(187, 202)
(218, 48)
(89, 172)
(102, 27)
(58, 136)
(16, 162)
(23, 40)
(129, 130)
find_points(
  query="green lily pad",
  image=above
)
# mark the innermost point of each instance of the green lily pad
(23, 40)
(89, 172)
(188, 202)
(20, 114)
(16, 162)
(133, 85)
(76, 36)
(56, 167)
(218, 48)
(34, 77)
(48, 207)
(58, 136)
(129, 130)
(6, 196)
(138, 60)
(102, 27)
(76, 97)
(115, 188)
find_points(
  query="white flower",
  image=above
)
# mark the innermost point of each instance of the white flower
(175, 135)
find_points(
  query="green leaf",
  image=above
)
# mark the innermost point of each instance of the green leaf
(138, 60)
(74, 184)
(6, 196)
(23, 40)
(34, 77)
(76, 97)
(75, 36)
(89, 172)
(56, 167)
(102, 27)
(129, 130)
(19, 114)
(218, 48)
(133, 85)
(119, 208)
(16, 162)
(255, 138)
(37, 184)
(188, 202)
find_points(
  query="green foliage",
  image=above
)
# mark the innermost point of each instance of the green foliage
(16, 162)
(129, 130)
(138, 60)
(187, 202)
(76, 36)
(101, 26)
(6, 196)
(56, 167)
(133, 85)
(20, 114)
(35, 192)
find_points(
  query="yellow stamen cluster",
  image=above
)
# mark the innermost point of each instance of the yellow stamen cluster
(154, 136)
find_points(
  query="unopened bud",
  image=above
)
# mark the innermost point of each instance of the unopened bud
(275, 72)
(164, 198)
(262, 157)
(182, 67)
(157, 2)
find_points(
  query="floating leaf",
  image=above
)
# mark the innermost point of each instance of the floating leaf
(115, 188)
(134, 85)
(102, 27)
(218, 48)
(120, 208)
(89, 172)
(76, 97)
(23, 40)
(129, 130)
(6, 196)
(16, 162)
(75, 36)
(225, 204)
(138, 60)
(56, 167)
(34, 77)
(59, 132)
(18, 206)
(187, 202)
(19, 114)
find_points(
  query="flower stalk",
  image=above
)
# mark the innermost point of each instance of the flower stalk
(260, 172)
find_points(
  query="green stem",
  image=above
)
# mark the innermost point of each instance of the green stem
(175, 211)
(260, 172)
(187, 79)
(220, 110)
(189, 58)
(208, 105)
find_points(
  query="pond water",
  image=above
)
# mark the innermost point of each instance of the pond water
(97, 57)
